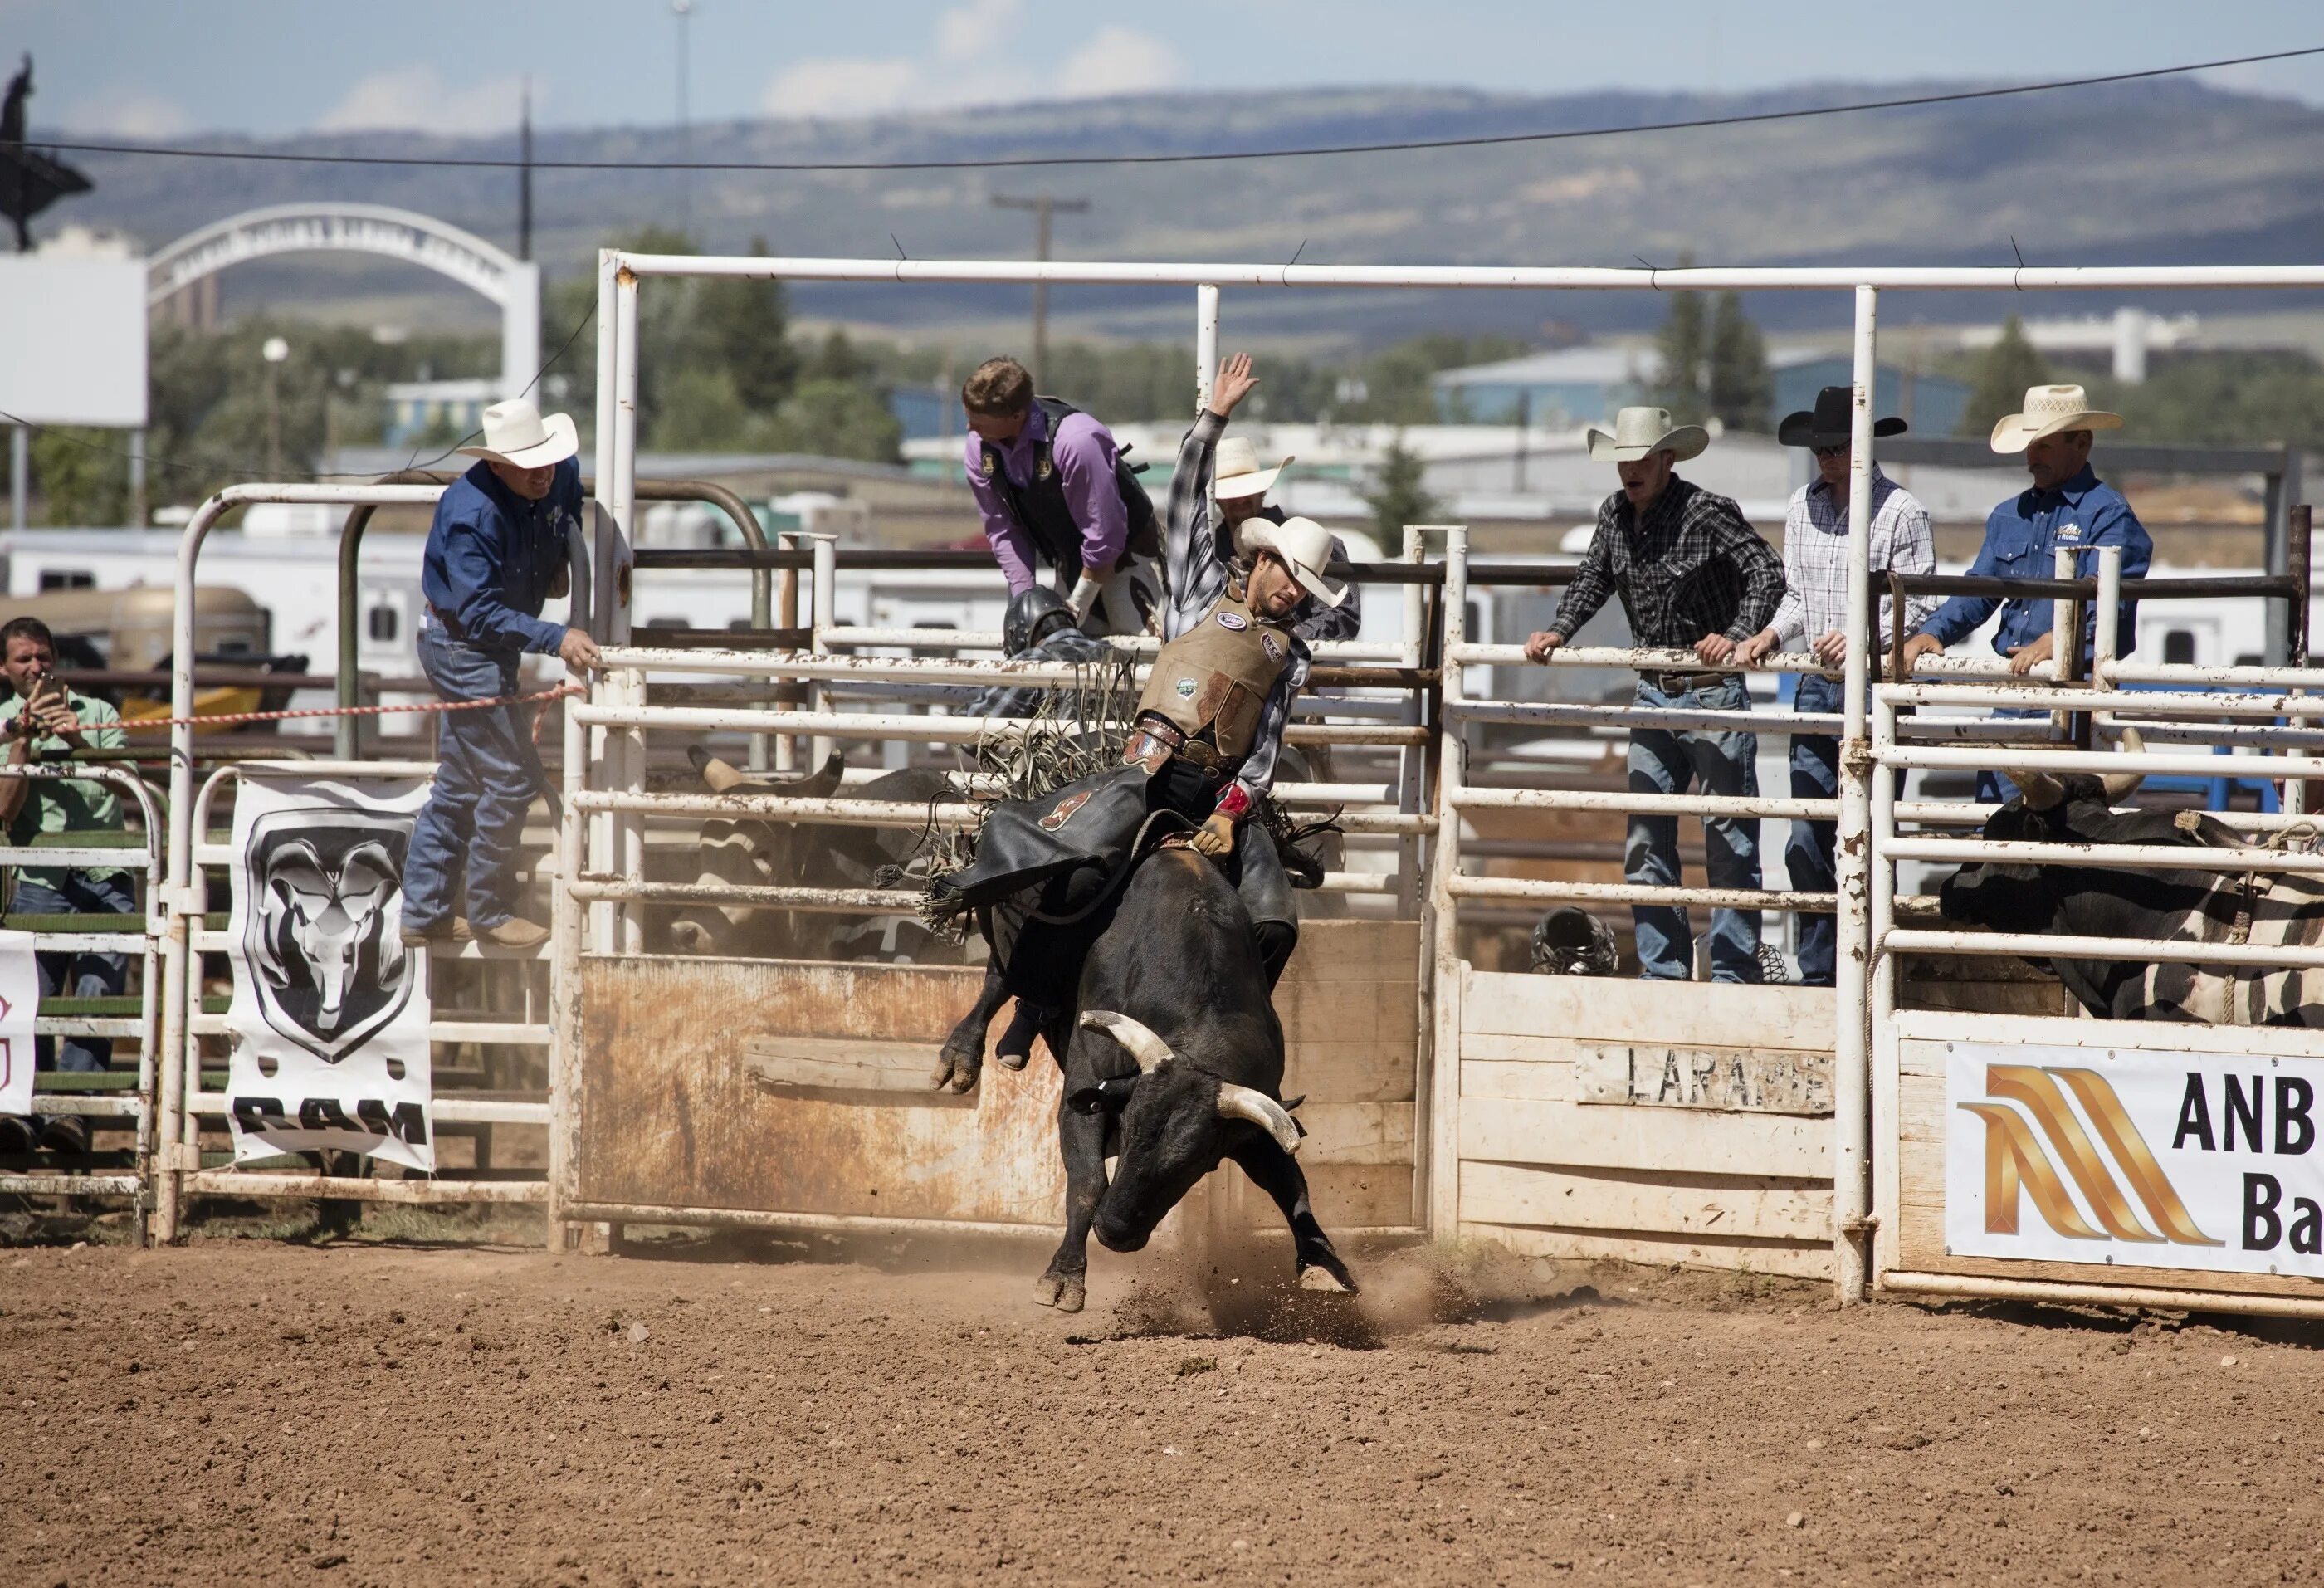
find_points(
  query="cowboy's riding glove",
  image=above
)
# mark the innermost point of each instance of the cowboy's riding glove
(1084, 597)
(1217, 835)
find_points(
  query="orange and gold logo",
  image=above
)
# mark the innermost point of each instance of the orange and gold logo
(2015, 1160)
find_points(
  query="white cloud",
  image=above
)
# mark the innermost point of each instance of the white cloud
(841, 88)
(968, 32)
(1119, 60)
(125, 112)
(416, 96)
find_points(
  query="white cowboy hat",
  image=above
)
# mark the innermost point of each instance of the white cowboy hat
(1237, 474)
(1305, 548)
(1641, 432)
(515, 434)
(2048, 410)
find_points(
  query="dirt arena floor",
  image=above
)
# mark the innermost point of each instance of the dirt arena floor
(715, 1411)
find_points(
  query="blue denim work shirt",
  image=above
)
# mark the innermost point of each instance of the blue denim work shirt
(2021, 536)
(491, 556)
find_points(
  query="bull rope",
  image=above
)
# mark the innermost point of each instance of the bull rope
(225, 719)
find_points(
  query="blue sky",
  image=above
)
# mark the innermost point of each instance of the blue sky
(156, 69)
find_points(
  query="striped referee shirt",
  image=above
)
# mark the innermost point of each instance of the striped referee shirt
(1815, 559)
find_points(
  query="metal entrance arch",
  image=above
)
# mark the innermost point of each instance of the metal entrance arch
(489, 271)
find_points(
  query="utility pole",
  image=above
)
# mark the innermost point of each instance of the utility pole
(682, 9)
(524, 175)
(1043, 205)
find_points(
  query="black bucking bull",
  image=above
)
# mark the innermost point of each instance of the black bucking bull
(2151, 903)
(1173, 1063)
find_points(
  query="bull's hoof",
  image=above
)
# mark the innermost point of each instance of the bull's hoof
(1065, 1292)
(1012, 1061)
(954, 1073)
(1324, 1281)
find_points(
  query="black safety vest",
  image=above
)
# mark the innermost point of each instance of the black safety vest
(1040, 507)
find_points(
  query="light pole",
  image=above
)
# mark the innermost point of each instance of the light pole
(681, 9)
(1043, 205)
(274, 351)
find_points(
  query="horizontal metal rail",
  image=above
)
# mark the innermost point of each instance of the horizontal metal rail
(2064, 946)
(1774, 899)
(1767, 806)
(2043, 758)
(1636, 658)
(937, 730)
(849, 636)
(267, 1183)
(2138, 857)
(1676, 719)
(2159, 1297)
(2049, 697)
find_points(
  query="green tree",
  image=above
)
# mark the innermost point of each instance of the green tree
(82, 475)
(837, 419)
(1683, 347)
(1398, 494)
(2002, 375)
(745, 328)
(1740, 388)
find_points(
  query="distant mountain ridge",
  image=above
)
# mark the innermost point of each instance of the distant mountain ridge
(2160, 172)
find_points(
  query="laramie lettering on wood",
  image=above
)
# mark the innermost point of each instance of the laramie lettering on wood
(1738, 1079)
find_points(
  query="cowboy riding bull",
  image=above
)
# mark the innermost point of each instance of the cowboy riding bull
(1150, 970)
(2203, 903)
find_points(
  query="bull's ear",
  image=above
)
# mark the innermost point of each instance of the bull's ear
(1105, 1097)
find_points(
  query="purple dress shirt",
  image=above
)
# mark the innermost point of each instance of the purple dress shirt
(1085, 454)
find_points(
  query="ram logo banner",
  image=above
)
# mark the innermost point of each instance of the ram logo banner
(20, 999)
(329, 1018)
(2205, 1162)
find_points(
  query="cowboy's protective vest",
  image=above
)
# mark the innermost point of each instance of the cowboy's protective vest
(1211, 681)
(1040, 506)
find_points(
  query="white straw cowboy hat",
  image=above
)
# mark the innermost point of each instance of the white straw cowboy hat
(1305, 548)
(1237, 474)
(1641, 432)
(515, 434)
(2050, 410)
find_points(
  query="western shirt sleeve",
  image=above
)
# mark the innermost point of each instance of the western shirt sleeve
(475, 552)
(1913, 550)
(1086, 458)
(1762, 571)
(1188, 512)
(1593, 581)
(1958, 618)
(1791, 620)
(1258, 774)
(1011, 548)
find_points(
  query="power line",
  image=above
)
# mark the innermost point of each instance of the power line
(1187, 158)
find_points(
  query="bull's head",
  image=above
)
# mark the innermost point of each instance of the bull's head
(326, 920)
(2014, 896)
(1174, 1122)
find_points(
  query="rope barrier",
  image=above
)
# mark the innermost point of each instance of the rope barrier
(139, 724)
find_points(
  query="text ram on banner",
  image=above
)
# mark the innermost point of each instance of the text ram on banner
(330, 1013)
(2207, 1161)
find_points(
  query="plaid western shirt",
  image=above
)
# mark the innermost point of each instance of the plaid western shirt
(1695, 566)
(1815, 558)
(1191, 515)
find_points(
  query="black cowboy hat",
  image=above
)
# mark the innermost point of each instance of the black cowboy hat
(1828, 424)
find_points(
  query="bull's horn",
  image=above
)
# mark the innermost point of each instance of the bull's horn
(1148, 1049)
(2039, 789)
(1245, 1102)
(724, 777)
(819, 784)
(2118, 785)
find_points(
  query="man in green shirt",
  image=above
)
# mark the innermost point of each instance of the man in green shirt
(46, 720)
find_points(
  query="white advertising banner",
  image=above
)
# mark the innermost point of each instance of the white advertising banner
(20, 1001)
(329, 1018)
(2207, 1161)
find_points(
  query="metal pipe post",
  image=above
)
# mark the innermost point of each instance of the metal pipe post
(1411, 762)
(1851, 1055)
(2297, 530)
(1442, 929)
(1207, 345)
(822, 601)
(626, 751)
(2106, 616)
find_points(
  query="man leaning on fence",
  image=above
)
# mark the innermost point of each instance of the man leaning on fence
(2066, 509)
(496, 554)
(1815, 610)
(1692, 575)
(48, 721)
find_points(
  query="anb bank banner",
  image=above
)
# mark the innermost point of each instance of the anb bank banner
(2171, 1161)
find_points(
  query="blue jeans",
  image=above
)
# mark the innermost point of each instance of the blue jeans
(1664, 761)
(486, 776)
(67, 974)
(1815, 775)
